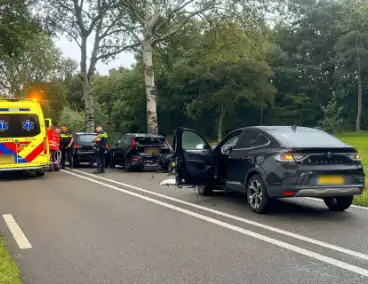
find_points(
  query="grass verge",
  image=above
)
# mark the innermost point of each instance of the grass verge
(359, 140)
(9, 271)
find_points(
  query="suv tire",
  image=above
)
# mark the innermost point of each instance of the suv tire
(205, 190)
(257, 196)
(338, 203)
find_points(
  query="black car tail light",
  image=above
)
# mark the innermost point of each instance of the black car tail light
(289, 157)
(134, 143)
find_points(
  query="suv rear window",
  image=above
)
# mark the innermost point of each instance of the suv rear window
(150, 140)
(307, 137)
(19, 125)
(85, 138)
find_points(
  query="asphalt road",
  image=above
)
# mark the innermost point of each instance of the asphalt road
(125, 228)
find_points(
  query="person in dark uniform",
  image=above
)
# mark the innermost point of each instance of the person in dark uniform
(66, 142)
(100, 148)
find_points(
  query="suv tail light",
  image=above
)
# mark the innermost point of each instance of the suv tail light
(134, 143)
(76, 146)
(355, 156)
(289, 157)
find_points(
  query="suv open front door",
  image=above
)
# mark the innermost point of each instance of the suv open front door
(193, 159)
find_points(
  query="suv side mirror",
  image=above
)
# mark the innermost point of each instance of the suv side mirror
(227, 150)
(200, 146)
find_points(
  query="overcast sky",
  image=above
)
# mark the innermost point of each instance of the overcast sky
(71, 50)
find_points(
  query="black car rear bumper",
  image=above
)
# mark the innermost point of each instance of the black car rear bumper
(147, 160)
(85, 156)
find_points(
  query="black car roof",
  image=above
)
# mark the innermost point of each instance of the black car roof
(85, 133)
(146, 135)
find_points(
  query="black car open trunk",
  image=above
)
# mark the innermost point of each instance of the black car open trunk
(152, 145)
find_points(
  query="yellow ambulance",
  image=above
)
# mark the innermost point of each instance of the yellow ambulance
(23, 137)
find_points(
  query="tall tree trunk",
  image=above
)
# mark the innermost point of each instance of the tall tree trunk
(220, 129)
(149, 79)
(89, 104)
(87, 89)
(261, 115)
(360, 100)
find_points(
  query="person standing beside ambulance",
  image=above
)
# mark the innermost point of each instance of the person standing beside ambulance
(54, 141)
(66, 142)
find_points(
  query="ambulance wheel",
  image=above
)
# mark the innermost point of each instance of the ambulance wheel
(40, 173)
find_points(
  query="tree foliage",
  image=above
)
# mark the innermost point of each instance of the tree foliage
(207, 68)
(332, 121)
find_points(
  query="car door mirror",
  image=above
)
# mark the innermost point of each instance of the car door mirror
(200, 146)
(227, 150)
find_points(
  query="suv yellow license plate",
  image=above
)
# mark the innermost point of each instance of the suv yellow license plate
(331, 180)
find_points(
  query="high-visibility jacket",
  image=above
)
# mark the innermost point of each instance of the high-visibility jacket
(53, 139)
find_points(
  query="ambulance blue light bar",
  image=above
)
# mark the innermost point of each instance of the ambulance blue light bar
(14, 109)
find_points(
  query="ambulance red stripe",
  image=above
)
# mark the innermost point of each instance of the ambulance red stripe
(33, 155)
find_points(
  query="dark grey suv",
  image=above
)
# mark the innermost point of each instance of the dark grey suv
(267, 162)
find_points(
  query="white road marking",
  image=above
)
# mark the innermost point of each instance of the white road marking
(17, 232)
(243, 220)
(299, 250)
(320, 200)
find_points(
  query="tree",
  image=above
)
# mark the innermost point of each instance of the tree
(16, 25)
(332, 121)
(81, 20)
(39, 60)
(156, 21)
(352, 50)
(73, 118)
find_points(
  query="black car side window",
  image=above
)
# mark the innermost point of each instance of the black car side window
(250, 139)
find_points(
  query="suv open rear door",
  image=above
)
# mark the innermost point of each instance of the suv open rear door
(193, 161)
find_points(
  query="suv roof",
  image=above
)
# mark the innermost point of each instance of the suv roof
(286, 128)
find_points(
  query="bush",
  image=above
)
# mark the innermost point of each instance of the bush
(73, 118)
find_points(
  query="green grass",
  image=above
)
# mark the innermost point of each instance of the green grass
(360, 142)
(9, 271)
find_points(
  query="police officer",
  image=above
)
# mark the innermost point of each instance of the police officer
(100, 148)
(66, 142)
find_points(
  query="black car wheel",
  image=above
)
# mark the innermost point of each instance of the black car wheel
(75, 163)
(127, 165)
(205, 190)
(111, 162)
(338, 203)
(257, 194)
